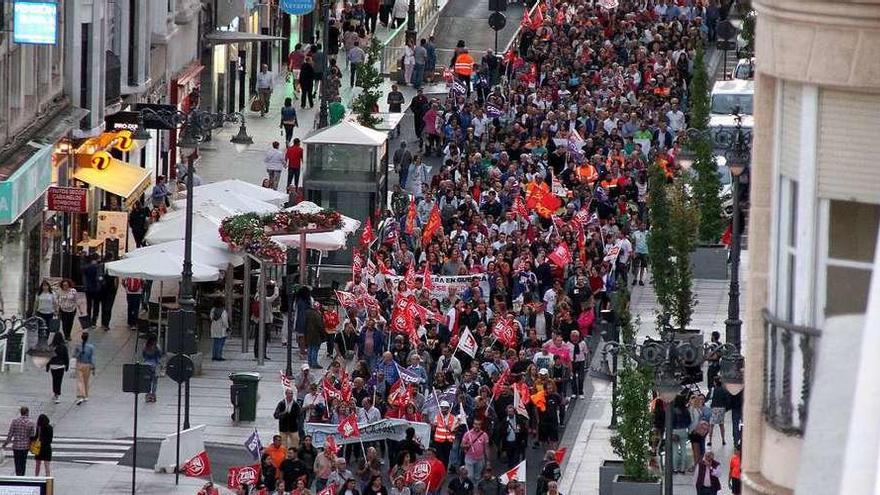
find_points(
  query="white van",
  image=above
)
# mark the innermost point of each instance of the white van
(728, 97)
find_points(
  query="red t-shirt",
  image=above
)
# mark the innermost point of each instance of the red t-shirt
(294, 156)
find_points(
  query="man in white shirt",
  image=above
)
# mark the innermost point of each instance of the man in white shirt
(510, 225)
(675, 117)
(265, 82)
(369, 413)
(275, 162)
(623, 256)
(550, 303)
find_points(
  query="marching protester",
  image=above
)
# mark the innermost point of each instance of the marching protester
(474, 301)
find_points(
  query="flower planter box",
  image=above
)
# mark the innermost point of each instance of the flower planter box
(710, 262)
(621, 486)
(607, 471)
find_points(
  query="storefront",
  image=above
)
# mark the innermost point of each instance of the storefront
(22, 262)
(114, 188)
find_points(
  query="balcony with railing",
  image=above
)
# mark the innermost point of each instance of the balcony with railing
(790, 353)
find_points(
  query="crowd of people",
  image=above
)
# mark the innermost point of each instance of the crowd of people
(536, 217)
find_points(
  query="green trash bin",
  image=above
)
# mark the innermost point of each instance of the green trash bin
(243, 395)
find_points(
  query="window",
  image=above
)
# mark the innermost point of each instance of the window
(852, 240)
(787, 249)
(728, 103)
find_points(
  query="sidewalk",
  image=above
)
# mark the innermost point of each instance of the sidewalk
(219, 160)
(592, 446)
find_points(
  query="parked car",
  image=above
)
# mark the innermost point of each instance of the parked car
(728, 99)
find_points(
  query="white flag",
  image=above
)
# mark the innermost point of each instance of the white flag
(518, 473)
(467, 343)
(518, 403)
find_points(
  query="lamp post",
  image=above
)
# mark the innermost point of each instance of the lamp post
(325, 69)
(411, 21)
(669, 359)
(195, 127)
(738, 160)
(736, 143)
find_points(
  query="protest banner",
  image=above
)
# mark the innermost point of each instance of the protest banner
(385, 429)
(441, 284)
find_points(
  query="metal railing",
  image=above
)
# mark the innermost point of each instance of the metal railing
(790, 353)
(427, 14)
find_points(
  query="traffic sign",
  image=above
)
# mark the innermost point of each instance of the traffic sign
(497, 21)
(180, 368)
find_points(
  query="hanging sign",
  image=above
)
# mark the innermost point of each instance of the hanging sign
(69, 199)
(297, 7)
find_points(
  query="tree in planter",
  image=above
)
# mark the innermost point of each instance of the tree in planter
(660, 244)
(707, 184)
(684, 221)
(630, 439)
(370, 80)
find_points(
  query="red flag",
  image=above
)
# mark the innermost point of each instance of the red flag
(370, 302)
(402, 315)
(346, 299)
(537, 19)
(560, 256)
(383, 268)
(243, 475)
(411, 217)
(526, 21)
(330, 444)
(498, 387)
(523, 391)
(357, 263)
(560, 454)
(348, 428)
(198, 466)
(727, 237)
(427, 281)
(285, 381)
(519, 207)
(542, 200)
(433, 224)
(330, 489)
(400, 394)
(410, 277)
(505, 331)
(518, 473)
(329, 390)
(368, 236)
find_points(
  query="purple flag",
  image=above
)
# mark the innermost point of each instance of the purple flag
(254, 445)
(492, 111)
(407, 375)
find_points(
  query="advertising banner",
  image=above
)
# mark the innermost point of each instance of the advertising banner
(68, 199)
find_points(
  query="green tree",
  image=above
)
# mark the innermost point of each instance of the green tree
(630, 439)
(660, 243)
(707, 184)
(683, 225)
(370, 80)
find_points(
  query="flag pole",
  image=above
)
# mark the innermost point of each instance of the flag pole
(363, 449)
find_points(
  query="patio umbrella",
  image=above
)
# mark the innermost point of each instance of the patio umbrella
(326, 241)
(206, 255)
(238, 203)
(174, 228)
(218, 190)
(159, 266)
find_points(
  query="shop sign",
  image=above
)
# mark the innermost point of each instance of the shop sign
(25, 185)
(67, 199)
(297, 7)
(128, 120)
(35, 22)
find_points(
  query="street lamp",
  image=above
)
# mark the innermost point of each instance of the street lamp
(323, 108)
(411, 22)
(195, 128)
(736, 143)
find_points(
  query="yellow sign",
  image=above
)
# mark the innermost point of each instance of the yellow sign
(124, 141)
(101, 160)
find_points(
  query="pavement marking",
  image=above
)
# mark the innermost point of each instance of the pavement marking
(89, 450)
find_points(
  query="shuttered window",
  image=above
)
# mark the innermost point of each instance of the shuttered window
(849, 135)
(789, 141)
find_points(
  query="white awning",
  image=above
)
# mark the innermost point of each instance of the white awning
(346, 132)
(229, 37)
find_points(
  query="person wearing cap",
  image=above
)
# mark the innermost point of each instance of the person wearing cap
(445, 424)
(303, 380)
(287, 412)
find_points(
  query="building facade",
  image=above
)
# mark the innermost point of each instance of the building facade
(813, 225)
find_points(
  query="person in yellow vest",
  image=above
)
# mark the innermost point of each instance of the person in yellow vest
(445, 424)
(463, 67)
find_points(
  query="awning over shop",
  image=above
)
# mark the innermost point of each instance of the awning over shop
(229, 37)
(119, 178)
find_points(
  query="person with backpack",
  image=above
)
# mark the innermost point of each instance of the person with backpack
(134, 293)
